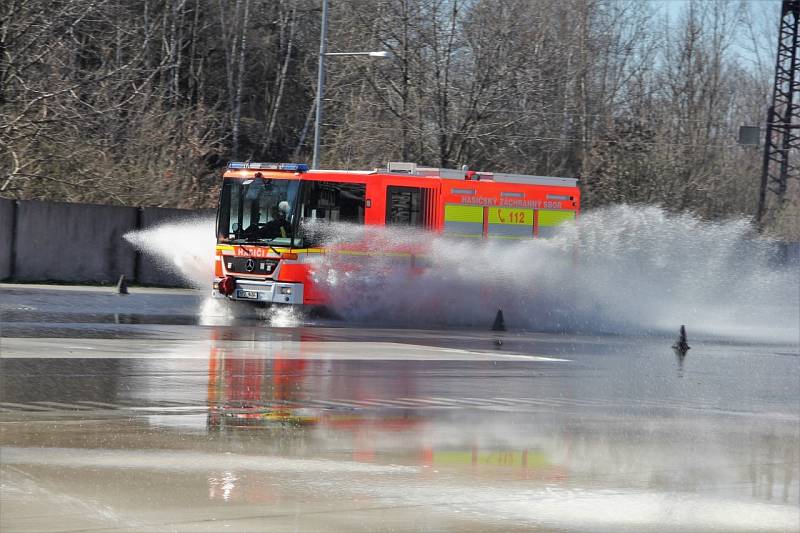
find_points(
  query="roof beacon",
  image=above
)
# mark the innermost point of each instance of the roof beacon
(292, 167)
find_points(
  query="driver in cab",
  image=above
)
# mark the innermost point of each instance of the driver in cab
(278, 226)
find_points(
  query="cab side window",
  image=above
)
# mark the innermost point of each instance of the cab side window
(334, 202)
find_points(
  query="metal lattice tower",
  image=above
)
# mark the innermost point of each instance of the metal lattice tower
(782, 145)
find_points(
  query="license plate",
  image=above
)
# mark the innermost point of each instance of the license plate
(250, 295)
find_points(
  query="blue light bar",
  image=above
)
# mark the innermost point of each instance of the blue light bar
(293, 167)
(296, 167)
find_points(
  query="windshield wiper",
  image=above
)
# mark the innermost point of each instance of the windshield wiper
(251, 240)
(269, 243)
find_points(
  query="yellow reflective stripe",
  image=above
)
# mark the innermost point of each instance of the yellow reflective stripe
(510, 216)
(463, 213)
(517, 237)
(552, 217)
(464, 235)
(300, 250)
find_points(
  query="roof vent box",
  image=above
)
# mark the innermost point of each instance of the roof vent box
(402, 167)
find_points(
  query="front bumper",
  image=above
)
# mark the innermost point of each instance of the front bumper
(271, 292)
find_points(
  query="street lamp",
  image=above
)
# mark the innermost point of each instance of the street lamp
(321, 78)
(383, 54)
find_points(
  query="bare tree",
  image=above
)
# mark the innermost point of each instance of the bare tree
(142, 103)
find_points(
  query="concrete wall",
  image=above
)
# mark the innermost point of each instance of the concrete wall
(151, 270)
(82, 243)
(73, 242)
(7, 208)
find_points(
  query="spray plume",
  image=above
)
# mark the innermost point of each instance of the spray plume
(623, 269)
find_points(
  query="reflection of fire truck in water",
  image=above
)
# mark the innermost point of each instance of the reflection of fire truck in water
(270, 215)
(339, 403)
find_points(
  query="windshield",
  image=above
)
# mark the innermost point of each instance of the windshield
(257, 210)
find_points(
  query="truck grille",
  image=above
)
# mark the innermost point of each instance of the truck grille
(249, 265)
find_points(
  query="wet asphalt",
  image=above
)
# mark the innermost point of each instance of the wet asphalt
(160, 411)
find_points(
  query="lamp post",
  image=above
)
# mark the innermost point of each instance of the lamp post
(321, 78)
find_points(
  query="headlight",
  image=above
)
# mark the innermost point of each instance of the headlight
(286, 290)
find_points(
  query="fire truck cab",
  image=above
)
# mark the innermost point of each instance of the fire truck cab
(264, 253)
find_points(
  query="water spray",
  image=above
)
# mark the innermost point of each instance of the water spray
(618, 270)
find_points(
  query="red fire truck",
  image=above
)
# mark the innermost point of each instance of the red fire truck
(265, 252)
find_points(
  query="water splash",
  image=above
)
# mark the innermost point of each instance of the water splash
(215, 312)
(281, 316)
(184, 247)
(623, 269)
